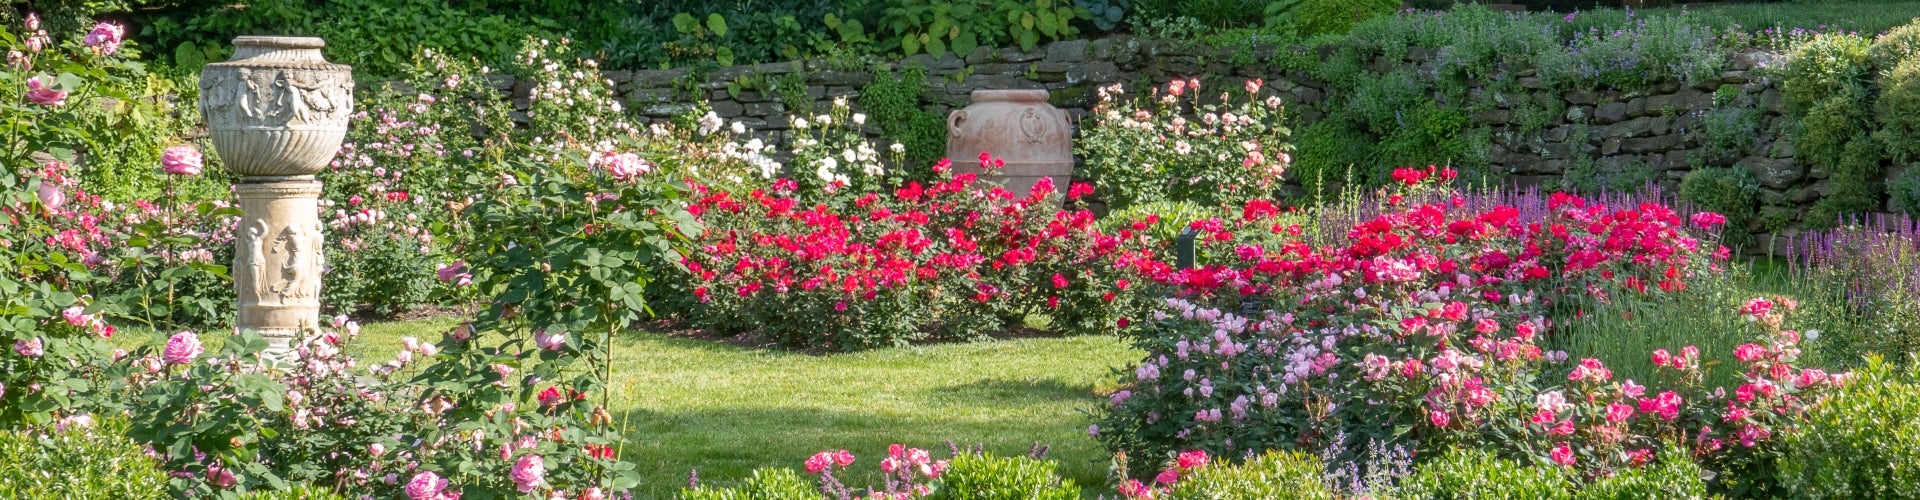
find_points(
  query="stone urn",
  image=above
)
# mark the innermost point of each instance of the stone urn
(277, 108)
(1017, 126)
(277, 112)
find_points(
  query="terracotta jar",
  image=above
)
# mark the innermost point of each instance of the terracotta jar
(277, 108)
(1017, 126)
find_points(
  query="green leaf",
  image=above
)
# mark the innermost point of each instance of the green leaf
(685, 23)
(723, 55)
(965, 44)
(1045, 21)
(936, 48)
(910, 45)
(717, 24)
(832, 21)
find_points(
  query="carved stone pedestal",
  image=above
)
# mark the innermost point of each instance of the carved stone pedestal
(277, 112)
(277, 262)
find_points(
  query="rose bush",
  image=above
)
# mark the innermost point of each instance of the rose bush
(953, 259)
(1421, 325)
(1182, 146)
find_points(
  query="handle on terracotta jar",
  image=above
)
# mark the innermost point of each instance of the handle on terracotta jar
(953, 122)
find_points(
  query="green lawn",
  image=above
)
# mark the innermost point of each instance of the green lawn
(725, 410)
(1869, 17)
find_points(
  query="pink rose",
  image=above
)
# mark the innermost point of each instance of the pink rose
(528, 473)
(1168, 476)
(843, 458)
(593, 493)
(819, 462)
(1619, 412)
(1133, 488)
(1709, 220)
(1562, 454)
(221, 477)
(1439, 418)
(40, 91)
(626, 166)
(76, 315)
(182, 160)
(31, 348)
(107, 37)
(51, 196)
(549, 341)
(1192, 459)
(426, 486)
(182, 348)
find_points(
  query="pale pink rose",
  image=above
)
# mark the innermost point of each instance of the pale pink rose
(626, 166)
(528, 473)
(377, 449)
(81, 421)
(107, 37)
(426, 486)
(550, 341)
(40, 91)
(76, 315)
(182, 160)
(593, 493)
(31, 348)
(182, 348)
(51, 196)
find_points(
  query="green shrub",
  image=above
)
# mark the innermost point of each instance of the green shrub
(297, 492)
(1897, 45)
(1275, 476)
(1332, 151)
(96, 463)
(1899, 130)
(1852, 189)
(766, 484)
(985, 477)
(1829, 65)
(1477, 474)
(1732, 192)
(1673, 476)
(1905, 191)
(892, 103)
(1863, 443)
(1338, 16)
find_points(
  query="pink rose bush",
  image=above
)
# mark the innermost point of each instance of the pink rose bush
(1424, 322)
(908, 473)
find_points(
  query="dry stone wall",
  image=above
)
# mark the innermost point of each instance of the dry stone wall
(1658, 131)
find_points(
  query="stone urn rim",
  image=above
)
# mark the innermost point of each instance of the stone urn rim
(280, 42)
(1033, 96)
(270, 51)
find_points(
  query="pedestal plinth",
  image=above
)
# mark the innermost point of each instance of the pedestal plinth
(277, 264)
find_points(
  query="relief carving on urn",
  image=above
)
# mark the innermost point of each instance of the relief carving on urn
(277, 108)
